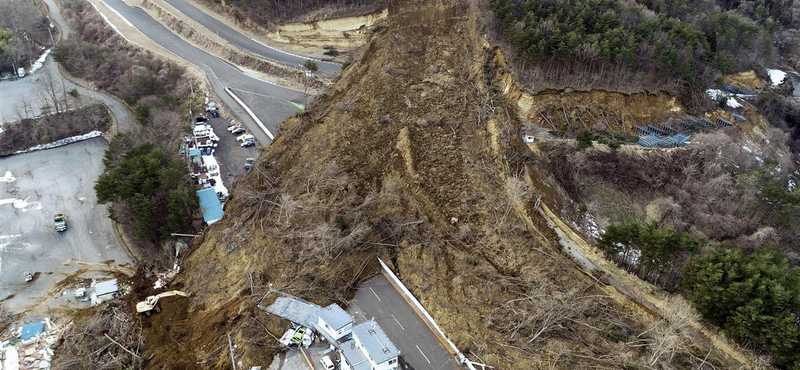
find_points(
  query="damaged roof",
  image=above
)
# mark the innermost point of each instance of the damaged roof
(295, 310)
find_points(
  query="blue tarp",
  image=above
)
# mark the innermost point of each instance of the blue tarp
(31, 330)
(194, 152)
(210, 205)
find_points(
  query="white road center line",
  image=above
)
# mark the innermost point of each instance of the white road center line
(376, 294)
(398, 323)
(423, 354)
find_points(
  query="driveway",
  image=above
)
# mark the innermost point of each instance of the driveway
(33, 187)
(419, 347)
(248, 44)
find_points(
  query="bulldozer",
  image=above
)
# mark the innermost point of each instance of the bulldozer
(150, 303)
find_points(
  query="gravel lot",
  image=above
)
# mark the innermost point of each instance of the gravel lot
(33, 187)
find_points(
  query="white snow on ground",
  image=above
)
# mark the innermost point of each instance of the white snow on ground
(8, 177)
(22, 204)
(791, 185)
(776, 75)
(747, 148)
(62, 142)
(40, 62)
(717, 94)
(214, 173)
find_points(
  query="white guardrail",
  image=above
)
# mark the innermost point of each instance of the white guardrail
(460, 357)
(249, 112)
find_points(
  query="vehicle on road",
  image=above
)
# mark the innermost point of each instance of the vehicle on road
(245, 137)
(60, 222)
(20, 72)
(248, 143)
(151, 303)
(327, 364)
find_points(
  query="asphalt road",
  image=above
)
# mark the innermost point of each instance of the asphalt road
(271, 106)
(419, 347)
(13, 93)
(41, 184)
(247, 43)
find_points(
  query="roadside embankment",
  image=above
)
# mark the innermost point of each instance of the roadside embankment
(199, 36)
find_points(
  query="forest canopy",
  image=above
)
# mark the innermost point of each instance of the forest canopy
(688, 43)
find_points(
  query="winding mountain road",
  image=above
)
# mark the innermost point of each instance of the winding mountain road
(270, 103)
(248, 44)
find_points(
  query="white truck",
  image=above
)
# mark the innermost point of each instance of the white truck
(20, 72)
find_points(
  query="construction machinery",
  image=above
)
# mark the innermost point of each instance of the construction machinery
(151, 303)
(60, 222)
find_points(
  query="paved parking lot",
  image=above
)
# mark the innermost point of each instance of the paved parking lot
(33, 187)
(229, 154)
(419, 347)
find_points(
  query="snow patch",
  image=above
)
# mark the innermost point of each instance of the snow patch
(8, 177)
(776, 75)
(733, 103)
(717, 94)
(37, 65)
(791, 185)
(22, 204)
(62, 142)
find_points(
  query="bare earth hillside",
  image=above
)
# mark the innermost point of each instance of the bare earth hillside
(413, 157)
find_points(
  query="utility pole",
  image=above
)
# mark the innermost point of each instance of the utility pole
(230, 347)
(63, 85)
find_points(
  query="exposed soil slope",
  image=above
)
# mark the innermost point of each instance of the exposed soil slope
(412, 157)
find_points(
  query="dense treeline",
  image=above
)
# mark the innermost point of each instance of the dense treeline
(272, 12)
(153, 189)
(754, 298)
(650, 37)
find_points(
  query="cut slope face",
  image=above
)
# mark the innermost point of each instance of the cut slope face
(410, 157)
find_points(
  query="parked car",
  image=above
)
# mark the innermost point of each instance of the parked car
(201, 118)
(60, 222)
(248, 143)
(214, 113)
(327, 364)
(245, 137)
(238, 130)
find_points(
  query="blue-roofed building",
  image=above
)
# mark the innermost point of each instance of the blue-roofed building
(210, 205)
(375, 346)
(30, 331)
(335, 321)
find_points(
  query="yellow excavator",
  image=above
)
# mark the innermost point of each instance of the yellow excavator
(151, 303)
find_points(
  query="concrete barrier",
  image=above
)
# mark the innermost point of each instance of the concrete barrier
(425, 316)
(249, 112)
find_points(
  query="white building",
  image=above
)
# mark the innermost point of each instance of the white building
(528, 137)
(334, 321)
(370, 349)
